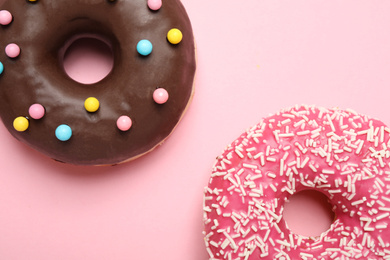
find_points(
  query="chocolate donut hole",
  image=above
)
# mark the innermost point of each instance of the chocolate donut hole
(88, 59)
(308, 213)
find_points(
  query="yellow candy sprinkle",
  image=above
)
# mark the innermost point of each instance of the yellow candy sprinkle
(91, 104)
(174, 36)
(21, 124)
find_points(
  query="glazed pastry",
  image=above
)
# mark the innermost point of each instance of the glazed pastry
(340, 153)
(125, 115)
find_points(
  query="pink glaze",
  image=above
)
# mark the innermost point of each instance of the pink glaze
(12, 50)
(160, 96)
(308, 213)
(124, 123)
(154, 4)
(340, 153)
(5, 17)
(36, 111)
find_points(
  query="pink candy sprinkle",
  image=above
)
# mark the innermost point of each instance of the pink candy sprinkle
(124, 123)
(5, 17)
(36, 111)
(154, 4)
(12, 50)
(160, 96)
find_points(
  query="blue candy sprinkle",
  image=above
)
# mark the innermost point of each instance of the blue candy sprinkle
(144, 47)
(1, 68)
(63, 132)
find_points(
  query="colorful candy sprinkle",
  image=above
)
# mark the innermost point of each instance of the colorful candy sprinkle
(144, 47)
(124, 123)
(154, 4)
(1, 68)
(91, 104)
(21, 124)
(174, 36)
(12, 50)
(36, 111)
(160, 96)
(5, 17)
(63, 132)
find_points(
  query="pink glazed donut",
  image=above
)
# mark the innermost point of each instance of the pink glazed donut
(340, 153)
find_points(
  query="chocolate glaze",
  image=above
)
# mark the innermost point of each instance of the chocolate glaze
(42, 29)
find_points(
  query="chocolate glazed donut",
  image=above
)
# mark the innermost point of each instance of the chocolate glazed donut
(64, 126)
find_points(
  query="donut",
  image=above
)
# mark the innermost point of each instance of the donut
(125, 115)
(339, 153)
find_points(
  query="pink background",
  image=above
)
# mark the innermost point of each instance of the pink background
(254, 57)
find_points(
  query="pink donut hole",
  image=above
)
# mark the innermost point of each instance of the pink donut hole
(5, 17)
(308, 213)
(12, 50)
(36, 111)
(160, 96)
(124, 123)
(154, 4)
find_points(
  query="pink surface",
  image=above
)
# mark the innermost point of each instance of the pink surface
(308, 213)
(88, 60)
(254, 57)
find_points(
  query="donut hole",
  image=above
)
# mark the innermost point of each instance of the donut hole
(88, 60)
(308, 213)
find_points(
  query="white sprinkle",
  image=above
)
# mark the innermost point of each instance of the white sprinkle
(249, 166)
(273, 187)
(283, 243)
(257, 156)
(381, 226)
(213, 243)
(254, 177)
(276, 217)
(271, 175)
(291, 240)
(288, 115)
(253, 194)
(317, 247)
(239, 153)
(360, 146)
(363, 132)
(210, 253)
(306, 255)
(267, 150)
(305, 161)
(225, 243)
(384, 215)
(357, 202)
(277, 228)
(311, 166)
(330, 123)
(303, 132)
(325, 171)
(233, 181)
(281, 167)
(267, 234)
(286, 135)
(232, 243)
(262, 161)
